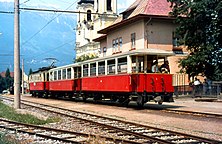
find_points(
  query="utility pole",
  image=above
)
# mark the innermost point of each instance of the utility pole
(16, 56)
(22, 77)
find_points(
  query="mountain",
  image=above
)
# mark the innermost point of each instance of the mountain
(44, 37)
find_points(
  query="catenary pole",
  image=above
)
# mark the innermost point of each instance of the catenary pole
(23, 77)
(16, 56)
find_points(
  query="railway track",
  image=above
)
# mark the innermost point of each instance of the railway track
(45, 133)
(126, 130)
(194, 113)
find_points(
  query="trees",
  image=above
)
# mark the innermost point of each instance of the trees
(8, 79)
(200, 29)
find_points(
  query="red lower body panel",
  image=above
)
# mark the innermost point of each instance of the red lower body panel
(39, 86)
(152, 83)
(63, 85)
(117, 83)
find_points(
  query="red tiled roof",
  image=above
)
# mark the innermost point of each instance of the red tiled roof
(150, 7)
(142, 8)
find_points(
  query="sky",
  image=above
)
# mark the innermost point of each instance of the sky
(59, 5)
(64, 4)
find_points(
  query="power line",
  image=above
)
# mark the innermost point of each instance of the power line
(45, 25)
(62, 11)
(24, 2)
(5, 12)
(51, 50)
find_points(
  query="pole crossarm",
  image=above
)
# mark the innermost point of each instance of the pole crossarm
(61, 11)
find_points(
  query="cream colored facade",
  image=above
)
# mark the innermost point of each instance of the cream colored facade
(150, 33)
(93, 16)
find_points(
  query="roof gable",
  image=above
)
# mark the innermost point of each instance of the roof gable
(149, 7)
(140, 9)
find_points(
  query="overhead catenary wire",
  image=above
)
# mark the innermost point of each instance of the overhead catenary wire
(6, 12)
(45, 24)
(63, 11)
(50, 50)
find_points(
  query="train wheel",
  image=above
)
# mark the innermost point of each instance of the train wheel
(160, 102)
(84, 98)
(140, 101)
(124, 101)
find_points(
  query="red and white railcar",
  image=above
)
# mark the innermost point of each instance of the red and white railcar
(39, 82)
(122, 77)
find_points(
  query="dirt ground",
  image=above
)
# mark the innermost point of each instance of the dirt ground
(205, 127)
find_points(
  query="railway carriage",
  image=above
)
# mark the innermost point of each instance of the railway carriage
(122, 77)
(65, 81)
(39, 82)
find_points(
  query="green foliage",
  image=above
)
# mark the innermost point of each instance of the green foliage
(200, 27)
(85, 57)
(9, 113)
(7, 81)
(30, 71)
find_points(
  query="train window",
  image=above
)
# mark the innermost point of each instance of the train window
(101, 68)
(133, 64)
(111, 66)
(69, 73)
(75, 72)
(59, 74)
(47, 77)
(93, 69)
(79, 72)
(50, 76)
(55, 75)
(64, 74)
(122, 65)
(85, 70)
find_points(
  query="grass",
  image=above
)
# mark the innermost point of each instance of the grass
(4, 139)
(10, 113)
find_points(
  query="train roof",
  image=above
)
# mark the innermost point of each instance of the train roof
(150, 51)
(139, 52)
(42, 69)
(66, 66)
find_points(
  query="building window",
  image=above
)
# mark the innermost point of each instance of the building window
(117, 45)
(104, 51)
(114, 45)
(89, 18)
(133, 40)
(120, 44)
(109, 6)
(175, 40)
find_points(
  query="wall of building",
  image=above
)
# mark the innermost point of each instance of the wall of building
(125, 33)
(160, 34)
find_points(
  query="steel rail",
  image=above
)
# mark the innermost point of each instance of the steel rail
(186, 136)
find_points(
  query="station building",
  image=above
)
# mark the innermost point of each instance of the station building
(145, 26)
